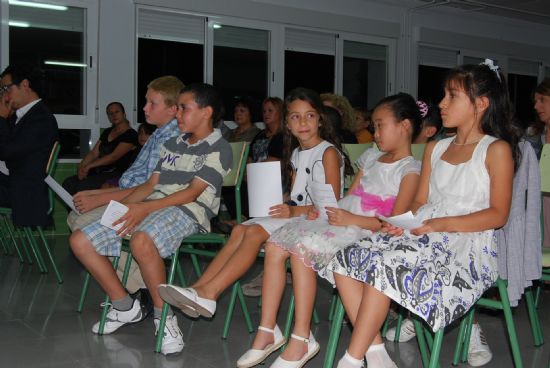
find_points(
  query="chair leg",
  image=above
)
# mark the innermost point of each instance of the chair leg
(400, 312)
(422, 346)
(315, 317)
(332, 306)
(460, 338)
(26, 244)
(164, 314)
(244, 307)
(289, 317)
(181, 277)
(230, 310)
(35, 250)
(538, 336)
(436, 349)
(385, 326)
(468, 332)
(510, 323)
(335, 329)
(50, 256)
(12, 237)
(83, 293)
(126, 272)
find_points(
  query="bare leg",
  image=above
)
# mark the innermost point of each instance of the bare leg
(240, 261)
(273, 286)
(372, 312)
(150, 264)
(233, 243)
(99, 266)
(304, 280)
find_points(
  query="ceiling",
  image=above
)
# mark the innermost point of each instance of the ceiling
(529, 10)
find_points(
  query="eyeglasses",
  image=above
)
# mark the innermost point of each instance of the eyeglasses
(6, 88)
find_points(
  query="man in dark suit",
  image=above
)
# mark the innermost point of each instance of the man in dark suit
(28, 131)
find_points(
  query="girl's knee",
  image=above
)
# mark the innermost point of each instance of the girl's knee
(276, 254)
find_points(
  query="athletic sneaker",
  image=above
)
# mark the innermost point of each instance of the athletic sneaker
(406, 333)
(479, 352)
(172, 342)
(115, 318)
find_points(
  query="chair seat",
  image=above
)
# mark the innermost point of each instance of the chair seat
(5, 211)
(545, 256)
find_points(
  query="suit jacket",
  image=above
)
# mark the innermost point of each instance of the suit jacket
(26, 147)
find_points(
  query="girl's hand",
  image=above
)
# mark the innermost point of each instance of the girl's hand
(435, 225)
(312, 214)
(390, 229)
(135, 215)
(280, 211)
(339, 217)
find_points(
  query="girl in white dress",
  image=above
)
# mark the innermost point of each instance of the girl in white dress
(385, 185)
(312, 153)
(440, 269)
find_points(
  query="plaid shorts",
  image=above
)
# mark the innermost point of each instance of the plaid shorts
(167, 227)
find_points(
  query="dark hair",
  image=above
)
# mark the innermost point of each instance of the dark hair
(31, 72)
(249, 103)
(403, 106)
(147, 128)
(205, 95)
(116, 103)
(497, 121)
(326, 131)
(432, 118)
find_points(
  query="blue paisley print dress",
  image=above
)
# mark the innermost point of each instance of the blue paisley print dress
(437, 276)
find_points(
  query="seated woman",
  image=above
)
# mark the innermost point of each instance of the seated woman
(111, 155)
(245, 130)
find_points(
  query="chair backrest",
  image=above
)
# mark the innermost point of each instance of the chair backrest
(354, 151)
(418, 150)
(238, 149)
(545, 169)
(50, 169)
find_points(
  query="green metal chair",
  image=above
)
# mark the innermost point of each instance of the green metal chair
(25, 234)
(418, 150)
(354, 151)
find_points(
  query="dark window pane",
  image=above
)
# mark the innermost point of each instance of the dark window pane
(47, 43)
(303, 69)
(430, 83)
(521, 89)
(158, 58)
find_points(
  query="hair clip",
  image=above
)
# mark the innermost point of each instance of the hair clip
(491, 64)
(423, 107)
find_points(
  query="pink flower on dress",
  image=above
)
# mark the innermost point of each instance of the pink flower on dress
(329, 234)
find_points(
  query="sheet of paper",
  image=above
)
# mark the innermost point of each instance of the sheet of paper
(61, 192)
(405, 221)
(264, 187)
(3, 168)
(113, 212)
(322, 196)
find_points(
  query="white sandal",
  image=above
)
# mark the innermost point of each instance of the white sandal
(312, 349)
(255, 356)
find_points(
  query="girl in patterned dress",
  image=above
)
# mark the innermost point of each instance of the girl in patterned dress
(385, 184)
(440, 269)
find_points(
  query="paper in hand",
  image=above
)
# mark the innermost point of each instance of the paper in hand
(113, 212)
(61, 192)
(264, 187)
(405, 221)
(322, 196)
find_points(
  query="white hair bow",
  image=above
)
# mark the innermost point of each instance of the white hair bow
(491, 64)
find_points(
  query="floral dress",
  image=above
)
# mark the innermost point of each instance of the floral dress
(316, 242)
(437, 276)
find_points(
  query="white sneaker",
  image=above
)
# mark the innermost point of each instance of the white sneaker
(406, 332)
(115, 318)
(172, 341)
(479, 352)
(187, 299)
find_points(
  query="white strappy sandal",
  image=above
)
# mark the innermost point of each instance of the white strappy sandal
(255, 356)
(312, 349)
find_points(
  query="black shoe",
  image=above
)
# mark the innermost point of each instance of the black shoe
(145, 301)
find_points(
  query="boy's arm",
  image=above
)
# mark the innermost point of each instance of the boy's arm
(85, 201)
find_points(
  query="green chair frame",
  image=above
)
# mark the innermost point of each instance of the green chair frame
(418, 150)
(25, 233)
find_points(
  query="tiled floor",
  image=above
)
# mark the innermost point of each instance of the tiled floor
(39, 327)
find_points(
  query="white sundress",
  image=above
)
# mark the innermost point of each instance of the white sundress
(308, 167)
(437, 276)
(316, 242)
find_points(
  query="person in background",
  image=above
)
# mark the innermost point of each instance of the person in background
(431, 122)
(346, 131)
(363, 125)
(243, 115)
(111, 155)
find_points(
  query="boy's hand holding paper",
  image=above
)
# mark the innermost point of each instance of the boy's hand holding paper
(114, 211)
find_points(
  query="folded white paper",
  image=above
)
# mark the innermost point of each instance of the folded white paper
(264, 187)
(322, 196)
(3, 168)
(405, 221)
(61, 192)
(113, 212)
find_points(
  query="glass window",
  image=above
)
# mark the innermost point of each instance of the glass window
(309, 60)
(430, 83)
(521, 88)
(54, 39)
(240, 65)
(75, 143)
(364, 73)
